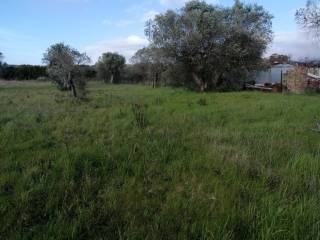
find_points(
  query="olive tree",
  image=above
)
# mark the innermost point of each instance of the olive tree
(109, 67)
(218, 46)
(63, 67)
(309, 17)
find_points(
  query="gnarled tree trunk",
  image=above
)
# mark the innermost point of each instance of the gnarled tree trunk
(199, 81)
(155, 80)
(72, 86)
(112, 78)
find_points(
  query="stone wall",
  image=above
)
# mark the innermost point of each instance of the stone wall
(298, 81)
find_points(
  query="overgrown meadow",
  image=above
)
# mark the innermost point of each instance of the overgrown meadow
(132, 162)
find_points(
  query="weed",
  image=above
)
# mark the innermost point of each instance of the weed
(159, 101)
(139, 113)
(203, 102)
(317, 127)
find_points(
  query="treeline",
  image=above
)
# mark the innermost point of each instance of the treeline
(34, 72)
(22, 72)
(200, 46)
(127, 73)
(206, 47)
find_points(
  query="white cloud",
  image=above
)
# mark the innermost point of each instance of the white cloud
(297, 44)
(125, 46)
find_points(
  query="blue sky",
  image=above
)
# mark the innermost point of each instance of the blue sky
(28, 27)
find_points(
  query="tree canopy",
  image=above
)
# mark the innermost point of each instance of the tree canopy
(154, 60)
(22, 72)
(218, 46)
(109, 66)
(63, 66)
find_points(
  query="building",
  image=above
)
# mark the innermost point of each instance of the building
(278, 59)
(301, 80)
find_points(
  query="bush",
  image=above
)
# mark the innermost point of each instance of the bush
(135, 73)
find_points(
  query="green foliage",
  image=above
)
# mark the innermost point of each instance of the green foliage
(88, 72)
(64, 67)
(32, 72)
(109, 67)
(154, 63)
(245, 167)
(218, 46)
(23, 72)
(135, 73)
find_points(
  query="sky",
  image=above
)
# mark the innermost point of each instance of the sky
(29, 27)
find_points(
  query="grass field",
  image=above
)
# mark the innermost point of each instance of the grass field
(134, 162)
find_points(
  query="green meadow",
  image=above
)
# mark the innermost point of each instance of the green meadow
(133, 162)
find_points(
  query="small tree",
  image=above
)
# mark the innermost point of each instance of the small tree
(63, 67)
(109, 67)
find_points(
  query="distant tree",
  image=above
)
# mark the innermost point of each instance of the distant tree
(88, 72)
(218, 46)
(153, 60)
(309, 17)
(23, 72)
(109, 67)
(1, 65)
(134, 73)
(63, 66)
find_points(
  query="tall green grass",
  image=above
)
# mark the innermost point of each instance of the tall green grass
(133, 162)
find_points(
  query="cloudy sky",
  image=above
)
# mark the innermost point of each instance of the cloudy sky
(28, 27)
